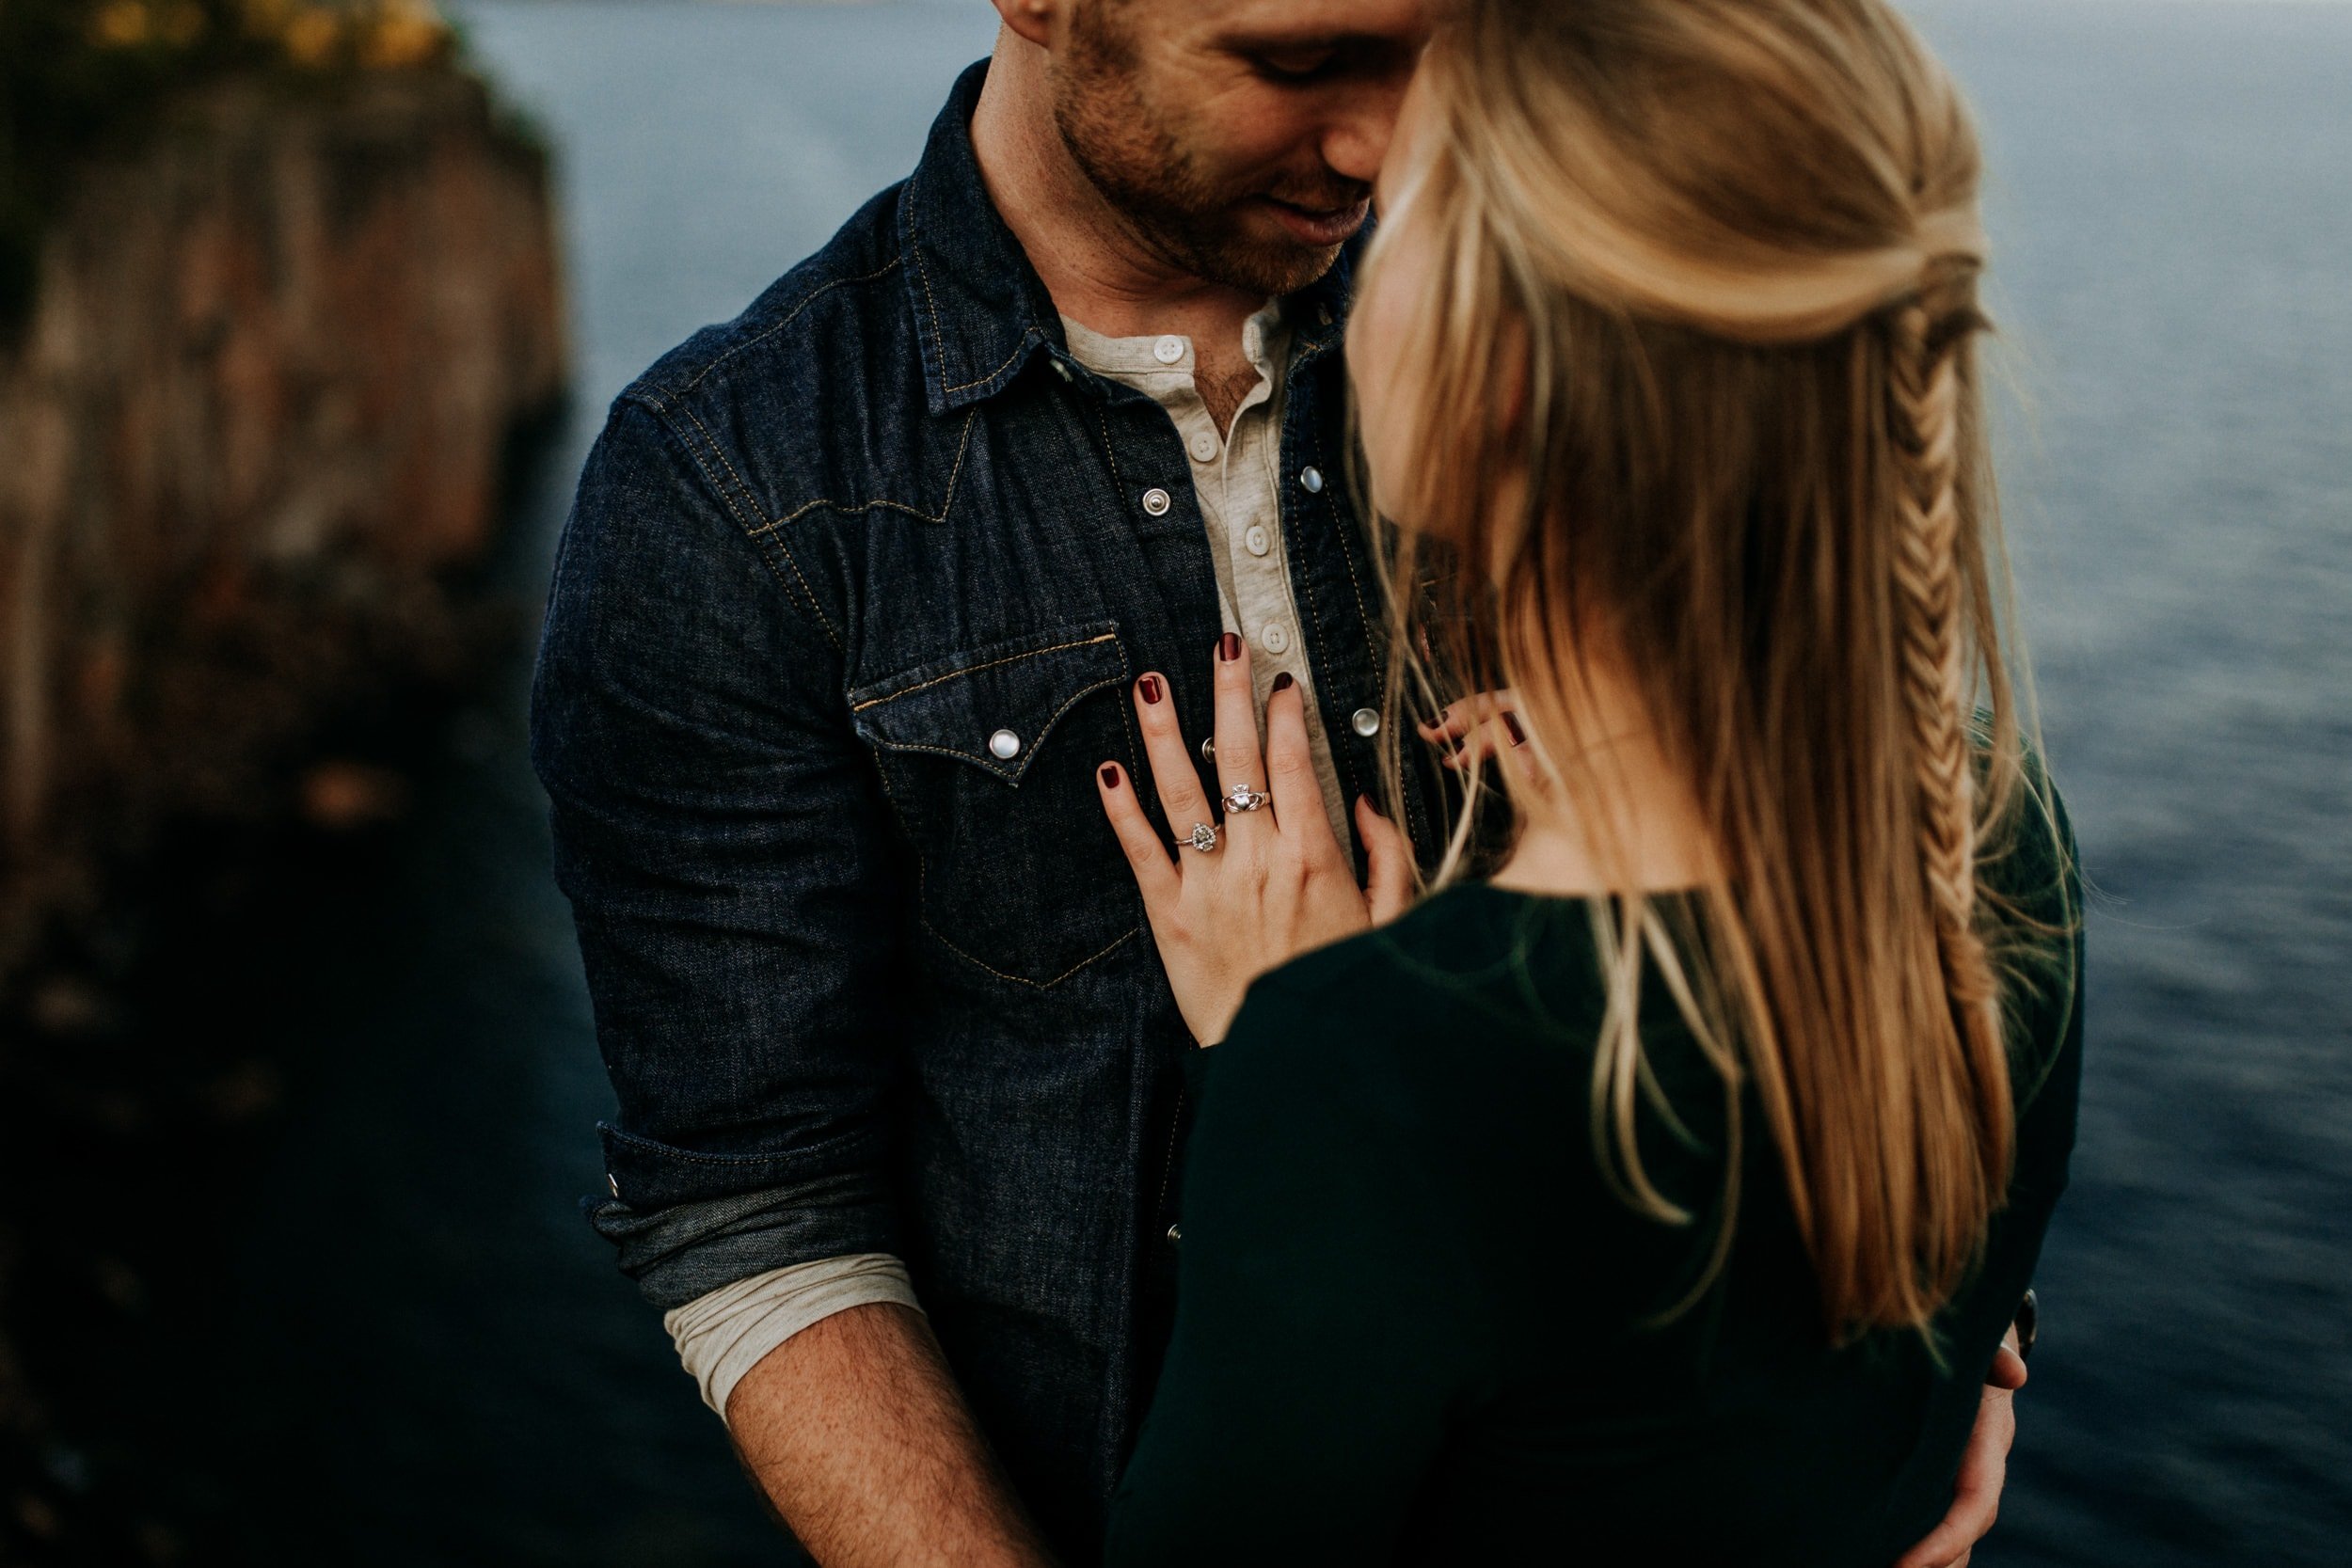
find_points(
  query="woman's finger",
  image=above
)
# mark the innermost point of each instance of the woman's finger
(1977, 1490)
(1147, 852)
(1461, 718)
(1291, 776)
(1389, 884)
(1493, 738)
(1238, 759)
(1172, 775)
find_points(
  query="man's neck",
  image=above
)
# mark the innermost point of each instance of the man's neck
(1094, 263)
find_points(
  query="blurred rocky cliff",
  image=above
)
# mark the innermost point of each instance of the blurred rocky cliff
(280, 308)
(255, 411)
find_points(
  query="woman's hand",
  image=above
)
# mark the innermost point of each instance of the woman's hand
(1277, 883)
(1486, 725)
(1984, 1468)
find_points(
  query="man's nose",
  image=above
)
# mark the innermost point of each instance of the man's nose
(1355, 140)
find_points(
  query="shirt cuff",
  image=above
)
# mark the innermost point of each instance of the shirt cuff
(722, 1335)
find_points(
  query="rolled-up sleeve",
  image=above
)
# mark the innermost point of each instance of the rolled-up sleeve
(727, 850)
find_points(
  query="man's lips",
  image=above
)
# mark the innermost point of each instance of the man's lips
(1319, 226)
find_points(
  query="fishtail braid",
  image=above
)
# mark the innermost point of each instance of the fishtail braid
(1926, 338)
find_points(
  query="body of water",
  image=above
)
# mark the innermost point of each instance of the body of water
(429, 1356)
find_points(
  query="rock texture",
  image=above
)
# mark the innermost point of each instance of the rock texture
(260, 407)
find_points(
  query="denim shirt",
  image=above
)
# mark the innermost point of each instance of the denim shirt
(844, 620)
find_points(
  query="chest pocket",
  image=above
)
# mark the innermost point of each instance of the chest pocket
(990, 758)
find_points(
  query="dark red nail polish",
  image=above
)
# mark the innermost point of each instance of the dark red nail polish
(1283, 682)
(1110, 775)
(1150, 688)
(1511, 723)
(1229, 646)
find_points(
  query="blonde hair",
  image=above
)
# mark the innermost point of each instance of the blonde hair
(1693, 375)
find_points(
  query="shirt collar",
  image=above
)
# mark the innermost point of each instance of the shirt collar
(979, 307)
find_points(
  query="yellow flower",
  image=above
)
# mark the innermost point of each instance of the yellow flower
(403, 33)
(120, 25)
(311, 37)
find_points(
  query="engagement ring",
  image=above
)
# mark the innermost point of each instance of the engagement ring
(1203, 837)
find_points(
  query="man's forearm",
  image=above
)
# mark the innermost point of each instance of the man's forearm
(855, 1431)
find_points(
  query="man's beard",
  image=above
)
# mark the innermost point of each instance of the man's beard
(1151, 179)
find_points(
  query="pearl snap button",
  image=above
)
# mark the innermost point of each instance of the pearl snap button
(1275, 639)
(1063, 370)
(1365, 722)
(1258, 540)
(1312, 481)
(1155, 502)
(1203, 445)
(1208, 750)
(1005, 744)
(1169, 350)
(613, 1182)
(1176, 1232)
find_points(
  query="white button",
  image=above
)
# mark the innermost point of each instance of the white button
(1275, 639)
(1313, 479)
(1155, 502)
(1258, 539)
(1365, 721)
(1203, 445)
(1168, 349)
(1006, 744)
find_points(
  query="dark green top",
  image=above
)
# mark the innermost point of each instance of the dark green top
(1409, 1319)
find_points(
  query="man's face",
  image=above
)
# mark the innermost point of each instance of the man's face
(1240, 137)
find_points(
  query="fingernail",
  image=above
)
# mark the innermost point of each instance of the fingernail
(1229, 646)
(1150, 688)
(1511, 723)
(1282, 681)
(1110, 775)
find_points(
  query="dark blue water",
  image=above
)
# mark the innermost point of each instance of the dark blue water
(451, 1372)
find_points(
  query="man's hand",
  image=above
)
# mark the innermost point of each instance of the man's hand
(1977, 1500)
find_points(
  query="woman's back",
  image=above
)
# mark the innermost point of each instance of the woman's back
(1417, 1323)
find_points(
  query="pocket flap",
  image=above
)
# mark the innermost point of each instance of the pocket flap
(995, 705)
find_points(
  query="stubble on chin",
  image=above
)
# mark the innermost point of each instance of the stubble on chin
(1144, 170)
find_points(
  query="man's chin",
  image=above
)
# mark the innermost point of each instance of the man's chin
(1322, 230)
(1271, 259)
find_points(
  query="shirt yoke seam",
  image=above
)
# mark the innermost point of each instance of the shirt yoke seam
(727, 495)
(788, 318)
(946, 505)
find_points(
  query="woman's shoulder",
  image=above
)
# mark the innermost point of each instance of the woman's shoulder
(1388, 1062)
(1465, 952)
(1440, 943)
